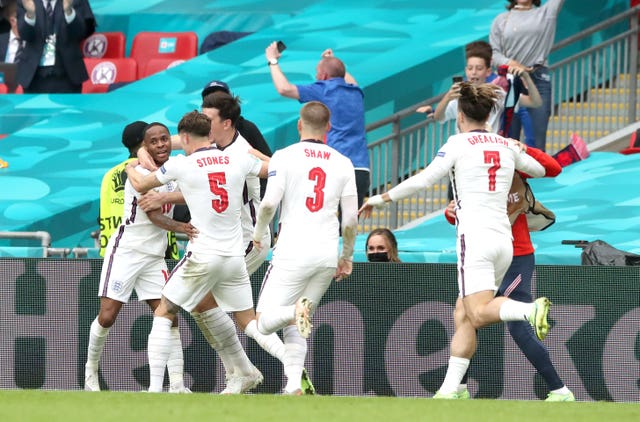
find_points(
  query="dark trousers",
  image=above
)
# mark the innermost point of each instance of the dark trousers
(363, 181)
(541, 77)
(52, 81)
(517, 286)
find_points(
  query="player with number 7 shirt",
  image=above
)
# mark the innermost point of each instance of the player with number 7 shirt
(480, 165)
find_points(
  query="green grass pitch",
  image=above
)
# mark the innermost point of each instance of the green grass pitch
(50, 406)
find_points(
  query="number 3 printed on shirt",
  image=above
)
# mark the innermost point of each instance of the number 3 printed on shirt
(215, 180)
(492, 157)
(320, 177)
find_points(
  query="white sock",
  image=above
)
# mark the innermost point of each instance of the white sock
(225, 337)
(295, 354)
(271, 343)
(462, 387)
(159, 349)
(211, 315)
(175, 364)
(512, 310)
(455, 372)
(275, 319)
(97, 337)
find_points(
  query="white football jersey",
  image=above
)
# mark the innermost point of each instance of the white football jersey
(139, 233)
(481, 167)
(212, 182)
(251, 193)
(309, 178)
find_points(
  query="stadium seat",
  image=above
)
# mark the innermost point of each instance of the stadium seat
(158, 65)
(4, 89)
(104, 45)
(634, 144)
(103, 72)
(162, 45)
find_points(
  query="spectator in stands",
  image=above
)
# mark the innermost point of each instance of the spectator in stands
(484, 248)
(10, 43)
(338, 90)
(522, 38)
(135, 260)
(478, 71)
(382, 246)
(52, 30)
(517, 282)
(112, 191)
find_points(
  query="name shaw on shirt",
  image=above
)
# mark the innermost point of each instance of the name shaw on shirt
(212, 160)
(486, 138)
(312, 153)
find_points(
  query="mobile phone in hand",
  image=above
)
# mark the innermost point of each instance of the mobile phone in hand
(457, 79)
(281, 46)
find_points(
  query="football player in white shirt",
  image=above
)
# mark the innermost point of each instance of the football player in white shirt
(211, 182)
(309, 180)
(134, 259)
(481, 166)
(224, 111)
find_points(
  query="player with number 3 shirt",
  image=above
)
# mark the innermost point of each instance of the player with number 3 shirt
(309, 180)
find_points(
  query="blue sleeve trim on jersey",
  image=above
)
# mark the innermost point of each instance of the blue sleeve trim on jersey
(440, 154)
(163, 170)
(271, 173)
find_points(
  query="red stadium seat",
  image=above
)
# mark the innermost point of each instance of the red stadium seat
(162, 45)
(104, 45)
(158, 65)
(4, 89)
(634, 144)
(104, 72)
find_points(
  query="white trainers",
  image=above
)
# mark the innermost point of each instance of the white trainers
(91, 380)
(303, 316)
(241, 384)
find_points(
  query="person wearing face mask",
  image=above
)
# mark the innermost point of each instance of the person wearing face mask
(382, 246)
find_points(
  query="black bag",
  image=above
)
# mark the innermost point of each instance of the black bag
(599, 252)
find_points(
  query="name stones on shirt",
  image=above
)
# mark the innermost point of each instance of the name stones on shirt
(210, 161)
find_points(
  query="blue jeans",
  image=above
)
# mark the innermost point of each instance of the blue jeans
(541, 77)
(527, 128)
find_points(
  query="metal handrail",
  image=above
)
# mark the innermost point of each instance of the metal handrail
(401, 149)
(595, 28)
(45, 242)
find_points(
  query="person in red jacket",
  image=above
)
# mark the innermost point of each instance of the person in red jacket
(517, 285)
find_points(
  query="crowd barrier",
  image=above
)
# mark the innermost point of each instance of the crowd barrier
(383, 332)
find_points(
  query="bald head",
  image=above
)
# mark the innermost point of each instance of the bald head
(330, 67)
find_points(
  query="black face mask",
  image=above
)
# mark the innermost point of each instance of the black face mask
(378, 257)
